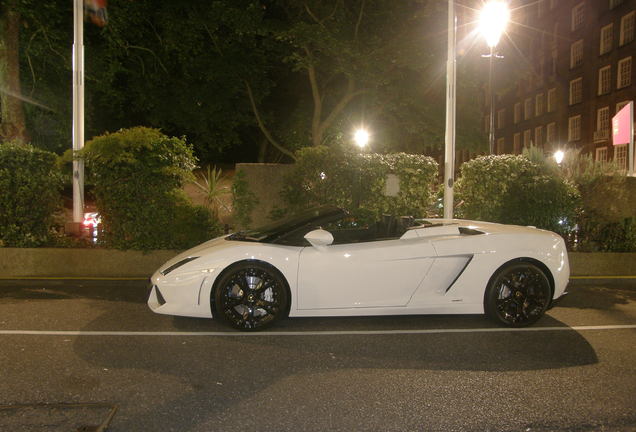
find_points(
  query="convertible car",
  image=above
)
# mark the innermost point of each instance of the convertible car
(326, 262)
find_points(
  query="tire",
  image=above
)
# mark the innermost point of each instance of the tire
(251, 296)
(517, 295)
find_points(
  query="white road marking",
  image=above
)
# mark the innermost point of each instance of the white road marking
(311, 333)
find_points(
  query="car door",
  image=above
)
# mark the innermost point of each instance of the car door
(362, 275)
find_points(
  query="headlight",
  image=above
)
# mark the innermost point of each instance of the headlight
(177, 265)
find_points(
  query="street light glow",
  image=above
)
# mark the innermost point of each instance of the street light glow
(558, 156)
(493, 20)
(361, 138)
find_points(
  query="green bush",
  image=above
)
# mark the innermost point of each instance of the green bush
(243, 200)
(513, 189)
(137, 175)
(606, 217)
(30, 185)
(341, 177)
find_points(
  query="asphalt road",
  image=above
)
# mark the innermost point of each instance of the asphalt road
(78, 354)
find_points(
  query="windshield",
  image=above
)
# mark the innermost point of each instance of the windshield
(273, 231)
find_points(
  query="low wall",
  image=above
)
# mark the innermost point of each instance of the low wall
(89, 263)
(98, 263)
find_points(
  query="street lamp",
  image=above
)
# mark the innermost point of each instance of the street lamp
(361, 138)
(558, 156)
(492, 23)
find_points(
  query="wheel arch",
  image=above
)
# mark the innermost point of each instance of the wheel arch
(529, 260)
(235, 264)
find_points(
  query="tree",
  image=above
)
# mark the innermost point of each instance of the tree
(13, 125)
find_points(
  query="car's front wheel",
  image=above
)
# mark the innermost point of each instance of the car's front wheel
(251, 296)
(517, 295)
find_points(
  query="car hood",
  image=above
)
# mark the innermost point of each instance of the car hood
(196, 251)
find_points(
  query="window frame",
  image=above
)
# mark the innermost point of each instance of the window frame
(576, 91)
(606, 121)
(577, 16)
(631, 18)
(538, 136)
(527, 109)
(628, 79)
(604, 80)
(576, 54)
(604, 39)
(603, 151)
(550, 138)
(574, 128)
(552, 93)
(538, 104)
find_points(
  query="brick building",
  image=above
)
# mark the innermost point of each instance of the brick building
(577, 70)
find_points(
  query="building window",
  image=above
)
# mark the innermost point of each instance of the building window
(624, 73)
(553, 4)
(576, 54)
(607, 36)
(538, 104)
(527, 109)
(551, 100)
(614, 3)
(604, 80)
(620, 156)
(500, 146)
(550, 135)
(601, 154)
(574, 128)
(627, 28)
(602, 124)
(527, 136)
(517, 143)
(578, 16)
(501, 118)
(576, 91)
(487, 123)
(517, 112)
(538, 136)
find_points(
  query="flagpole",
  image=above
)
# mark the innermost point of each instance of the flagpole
(78, 109)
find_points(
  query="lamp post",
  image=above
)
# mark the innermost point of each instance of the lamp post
(449, 147)
(492, 23)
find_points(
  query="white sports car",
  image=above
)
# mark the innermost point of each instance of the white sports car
(325, 263)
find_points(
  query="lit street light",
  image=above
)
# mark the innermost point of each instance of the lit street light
(558, 156)
(361, 138)
(492, 23)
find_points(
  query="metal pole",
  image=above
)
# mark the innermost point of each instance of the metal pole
(630, 152)
(491, 126)
(78, 109)
(449, 153)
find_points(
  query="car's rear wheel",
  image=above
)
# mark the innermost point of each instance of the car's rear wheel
(251, 296)
(517, 295)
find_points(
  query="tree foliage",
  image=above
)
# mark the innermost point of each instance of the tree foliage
(138, 174)
(241, 77)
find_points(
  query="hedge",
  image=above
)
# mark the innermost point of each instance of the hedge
(338, 176)
(30, 185)
(137, 175)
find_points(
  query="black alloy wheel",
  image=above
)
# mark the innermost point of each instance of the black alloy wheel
(518, 295)
(251, 296)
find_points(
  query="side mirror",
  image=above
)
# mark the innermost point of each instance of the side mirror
(319, 237)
